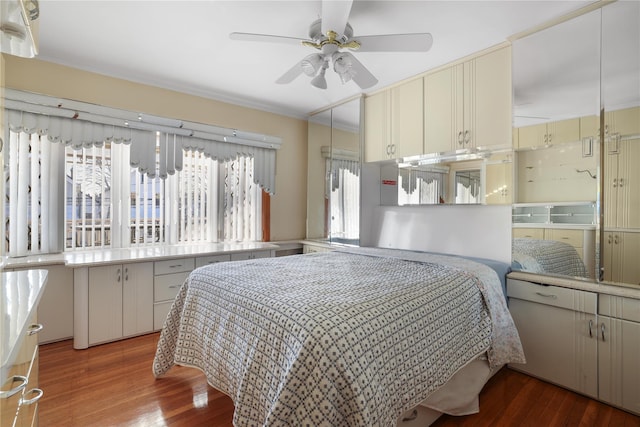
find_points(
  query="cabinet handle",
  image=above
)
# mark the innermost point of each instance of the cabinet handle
(620, 182)
(467, 136)
(126, 274)
(173, 286)
(460, 138)
(552, 296)
(38, 395)
(175, 266)
(610, 240)
(119, 274)
(602, 331)
(34, 329)
(549, 139)
(615, 182)
(590, 327)
(393, 149)
(17, 389)
(615, 239)
(544, 139)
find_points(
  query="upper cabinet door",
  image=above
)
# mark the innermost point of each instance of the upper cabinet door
(377, 144)
(406, 119)
(491, 109)
(439, 111)
(468, 105)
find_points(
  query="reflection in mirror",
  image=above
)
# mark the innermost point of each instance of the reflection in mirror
(344, 167)
(319, 135)
(556, 79)
(467, 186)
(620, 239)
(469, 178)
(333, 174)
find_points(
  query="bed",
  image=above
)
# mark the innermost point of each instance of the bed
(355, 337)
(547, 257)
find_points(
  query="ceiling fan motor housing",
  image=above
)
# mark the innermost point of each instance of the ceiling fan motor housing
(315, 32)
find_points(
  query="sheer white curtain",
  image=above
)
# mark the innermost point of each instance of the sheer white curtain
(35, 214)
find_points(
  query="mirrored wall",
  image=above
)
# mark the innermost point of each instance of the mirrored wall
(568, 155)
(333, 180)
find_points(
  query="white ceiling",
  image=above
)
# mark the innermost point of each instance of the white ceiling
(185, 45)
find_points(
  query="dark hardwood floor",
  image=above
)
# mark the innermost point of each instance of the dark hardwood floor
(112, 385)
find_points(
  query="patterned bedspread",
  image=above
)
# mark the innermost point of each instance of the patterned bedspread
(333, 339)
(547, 256)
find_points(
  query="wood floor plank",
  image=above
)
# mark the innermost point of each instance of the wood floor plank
(113, 385)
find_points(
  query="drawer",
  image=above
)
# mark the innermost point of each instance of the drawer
(531, 233)
(572, 237)
(556, 296)
(166, 287)
(619, 307)
(240, 256)
(160, 311)
(201, 261)
(173, 266)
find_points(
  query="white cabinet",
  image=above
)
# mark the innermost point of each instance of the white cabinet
(120, 301)
(621, 188)
(499, 183)
(169, 275)
(557, 327)
(552, 133)
(618, 352)
(621, 253)
(393, 125)
(468, 105)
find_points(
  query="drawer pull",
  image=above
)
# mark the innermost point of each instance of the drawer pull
(23, 383)
(552, 296)
(34, 329)
(590, 326)
(38, 395)
(602, 330)
(173, 286)
(175, 266)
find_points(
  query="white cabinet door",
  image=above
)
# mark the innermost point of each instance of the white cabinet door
(491, 102)
(619, 362)
(377, 127)
(137, 298)
(406, 119)
(557, 327)
(120, 301)
(105, 303)
(440, 111)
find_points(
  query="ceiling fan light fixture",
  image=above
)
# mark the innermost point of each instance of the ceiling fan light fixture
(320, 81)
(343, 67)
(311, 64)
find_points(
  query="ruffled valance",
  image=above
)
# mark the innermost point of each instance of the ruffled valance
(78, 133)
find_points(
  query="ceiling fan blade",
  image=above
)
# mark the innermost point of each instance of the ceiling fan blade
(291, 74)
(361, 76)
(335, 14)
(265, 38)
(418, 42)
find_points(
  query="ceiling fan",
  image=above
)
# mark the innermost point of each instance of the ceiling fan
(333, 37)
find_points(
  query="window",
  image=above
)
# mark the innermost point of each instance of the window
(107, 203)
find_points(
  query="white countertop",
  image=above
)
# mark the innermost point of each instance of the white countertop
(20, 293)
(617, 289)
(124, 255)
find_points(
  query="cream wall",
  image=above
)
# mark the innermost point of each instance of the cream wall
(288, 205)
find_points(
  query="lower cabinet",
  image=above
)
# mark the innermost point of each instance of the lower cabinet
(168, 277)
(116, 301)
(557, 328)
(580, 340)
(120, 301)
(20, 394)
(619, 352)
